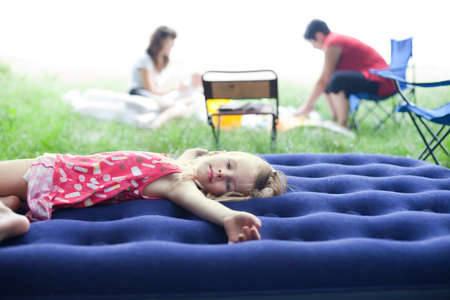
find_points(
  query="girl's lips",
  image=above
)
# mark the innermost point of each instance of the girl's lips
(210, 174)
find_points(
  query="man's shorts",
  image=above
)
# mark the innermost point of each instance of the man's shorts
(351, 82)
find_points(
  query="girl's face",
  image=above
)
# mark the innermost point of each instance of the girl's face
(227, 172)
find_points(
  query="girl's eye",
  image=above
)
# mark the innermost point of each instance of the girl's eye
(228, 165)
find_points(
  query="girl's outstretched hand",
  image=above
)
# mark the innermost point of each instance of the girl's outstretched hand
(241, 227)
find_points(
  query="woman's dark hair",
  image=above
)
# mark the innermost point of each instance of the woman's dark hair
(316, 26)
(160, 34)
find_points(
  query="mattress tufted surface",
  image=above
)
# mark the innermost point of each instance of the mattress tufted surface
(349, 222)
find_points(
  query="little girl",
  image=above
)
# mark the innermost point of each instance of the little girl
(54, 181)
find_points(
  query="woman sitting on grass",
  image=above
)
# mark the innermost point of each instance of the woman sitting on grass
(146, 80)
(54, 181)
(147, 69)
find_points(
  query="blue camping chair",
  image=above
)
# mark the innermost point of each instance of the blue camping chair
(421, 116)
(401, 52)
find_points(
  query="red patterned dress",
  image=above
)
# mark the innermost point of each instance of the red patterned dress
(82, 181)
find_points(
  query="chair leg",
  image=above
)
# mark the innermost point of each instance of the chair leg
(368, 112)
(218, 133)
(423, 138)
(412, 94)
(372, 112)
(273, 135)
(388, 115)
(434, 137)
(378, 113)
(381, 122)
(438, 143)
(215, 134)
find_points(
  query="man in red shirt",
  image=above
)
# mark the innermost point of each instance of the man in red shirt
(345, 71)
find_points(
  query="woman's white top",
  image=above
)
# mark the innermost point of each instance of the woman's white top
(144, 62)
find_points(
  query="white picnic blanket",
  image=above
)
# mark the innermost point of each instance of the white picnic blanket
(132, 109)
(287, 121)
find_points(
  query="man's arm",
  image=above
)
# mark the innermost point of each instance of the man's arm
(332, 55)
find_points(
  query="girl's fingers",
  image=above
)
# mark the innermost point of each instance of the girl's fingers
(255, 234)
(246, 230)
(257, 222)
(241, 238)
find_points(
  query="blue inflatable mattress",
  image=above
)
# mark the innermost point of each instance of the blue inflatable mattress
(351, 226)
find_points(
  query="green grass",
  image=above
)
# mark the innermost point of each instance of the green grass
(34, 120)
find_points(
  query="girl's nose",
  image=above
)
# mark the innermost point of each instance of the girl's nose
(222, 173)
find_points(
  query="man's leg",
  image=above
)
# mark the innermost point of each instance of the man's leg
(331, 106)
(344, 83)
(340, 103)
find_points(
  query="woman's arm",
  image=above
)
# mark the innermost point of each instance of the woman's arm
(150, 85)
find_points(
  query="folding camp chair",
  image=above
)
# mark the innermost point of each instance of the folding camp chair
(241, 85)
(401, 52)
(421, 116)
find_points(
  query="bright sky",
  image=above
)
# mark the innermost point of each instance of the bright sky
(103, 38)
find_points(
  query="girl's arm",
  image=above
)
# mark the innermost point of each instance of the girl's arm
(239, 226)
(196, 152)
(192, 153)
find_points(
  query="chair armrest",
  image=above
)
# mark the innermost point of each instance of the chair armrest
(387, 73)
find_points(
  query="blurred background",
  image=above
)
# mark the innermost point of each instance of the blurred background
(101, 39)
